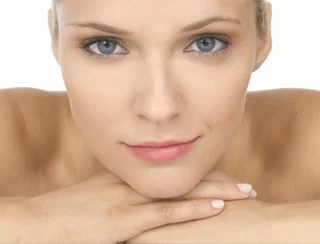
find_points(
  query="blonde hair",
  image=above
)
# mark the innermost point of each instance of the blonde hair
(261, 21)
(54, 19)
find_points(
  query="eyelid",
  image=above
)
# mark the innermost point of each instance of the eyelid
(119, 41)
(221, 37)
(88, 42)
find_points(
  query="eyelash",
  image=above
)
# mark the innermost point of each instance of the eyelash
(84, 46)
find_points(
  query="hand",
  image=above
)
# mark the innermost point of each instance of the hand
(241, 222)
(224, 187)
(105, 209)
(221, 186)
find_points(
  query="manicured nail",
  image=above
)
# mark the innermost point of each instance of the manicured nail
(218, 204)
(253, 194)
(245, 188)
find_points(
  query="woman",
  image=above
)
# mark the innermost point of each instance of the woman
(155, 106)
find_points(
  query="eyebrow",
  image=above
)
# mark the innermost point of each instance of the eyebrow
(121, 32)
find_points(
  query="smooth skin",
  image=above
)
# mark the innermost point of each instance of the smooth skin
(157, 87)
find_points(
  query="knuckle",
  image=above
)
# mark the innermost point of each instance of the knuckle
(114, 214)
(195, 209)
(115, 221)
(165, 212)
(223, 187)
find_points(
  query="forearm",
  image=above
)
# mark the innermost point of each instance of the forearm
(240, 222)
(246, 221)
(266, 223)
(17, 222)
(259, 222)
(295, 223)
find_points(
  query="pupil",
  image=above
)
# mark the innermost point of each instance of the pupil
(206, 44)
(107, 47)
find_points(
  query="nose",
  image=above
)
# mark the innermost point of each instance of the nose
(159, 100)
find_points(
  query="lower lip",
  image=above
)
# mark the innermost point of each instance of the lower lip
(162, 154)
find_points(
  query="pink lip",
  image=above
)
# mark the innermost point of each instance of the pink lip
(161, 151)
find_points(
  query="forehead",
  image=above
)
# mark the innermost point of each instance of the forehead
(144, 13)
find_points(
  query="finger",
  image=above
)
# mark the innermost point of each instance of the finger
(220, 190)
(220, 176)
(153, 215)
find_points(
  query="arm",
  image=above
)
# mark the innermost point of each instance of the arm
(246, 222)
(16, 221)
(252, 221)
(17, 163)
(296, 222)
(257, 222)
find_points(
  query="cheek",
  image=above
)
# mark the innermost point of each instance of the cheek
(216, 86)
(218, 95)
(99, 93)
(227, 100)
(96, 113)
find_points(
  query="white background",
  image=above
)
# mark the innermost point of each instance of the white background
(26, 59)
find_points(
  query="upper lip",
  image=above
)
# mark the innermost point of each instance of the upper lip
(159, 144)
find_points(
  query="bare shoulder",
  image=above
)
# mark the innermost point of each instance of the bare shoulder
(32, 115)
(284, 112)
(301, 149)
(30, 125)
(279, 117)
(282, 100)
(287, 126)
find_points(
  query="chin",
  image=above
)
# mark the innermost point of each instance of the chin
(162, 189)
(163, 193)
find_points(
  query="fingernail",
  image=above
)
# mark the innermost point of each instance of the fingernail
(253, 194)
(218, 204)
(245, 188)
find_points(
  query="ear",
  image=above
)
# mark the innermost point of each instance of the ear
(265, 41)
(54, 34)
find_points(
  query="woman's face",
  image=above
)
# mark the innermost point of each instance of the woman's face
(140, 71)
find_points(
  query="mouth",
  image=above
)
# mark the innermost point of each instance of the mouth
(162, 151)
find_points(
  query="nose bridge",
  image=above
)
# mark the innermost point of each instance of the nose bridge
(157, 71)
(159, 98)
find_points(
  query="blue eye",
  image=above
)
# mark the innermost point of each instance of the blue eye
(104, 47)
(208, 45)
